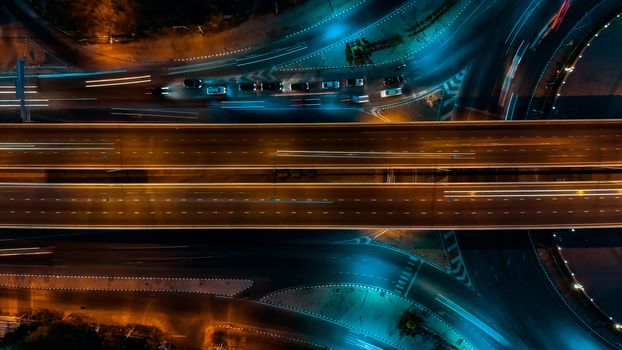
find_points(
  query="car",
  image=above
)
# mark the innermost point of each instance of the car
(272, 86)
(391, 92)
(330, 85)
(300, 87)
(247, 86)
(396, 79)
(359, 99)
(157, 90)
(193, 83)
(355, 82)
(216, 90)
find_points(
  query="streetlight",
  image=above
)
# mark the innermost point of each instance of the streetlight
(331, 7)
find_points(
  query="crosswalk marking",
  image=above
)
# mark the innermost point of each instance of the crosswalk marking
(408, 276)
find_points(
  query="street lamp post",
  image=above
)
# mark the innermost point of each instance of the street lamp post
(331, 7)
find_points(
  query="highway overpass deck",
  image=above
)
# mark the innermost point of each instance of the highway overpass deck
(358, 206)
(503, 144)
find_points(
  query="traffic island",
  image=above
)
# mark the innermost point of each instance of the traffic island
(220, 287)
(426, 245)
(404, 32)
(373, 312)
(230, 336)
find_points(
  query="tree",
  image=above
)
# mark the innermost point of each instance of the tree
(63, 335)
(104, 17)
(349, 56)
(358, 55)
(410, 324)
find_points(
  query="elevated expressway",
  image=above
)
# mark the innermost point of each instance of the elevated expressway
(312, 146)
(493, 205)
(364, 206)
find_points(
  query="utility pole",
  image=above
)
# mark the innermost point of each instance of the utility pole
(20, 91)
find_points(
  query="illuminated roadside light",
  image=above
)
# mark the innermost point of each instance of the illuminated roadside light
(577, 286)
(580, 192)
(559, 248)
(617, 326)
(572, 229)
(568, 69)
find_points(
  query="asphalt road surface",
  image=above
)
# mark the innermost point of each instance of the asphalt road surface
(420, 145)
(356, 206)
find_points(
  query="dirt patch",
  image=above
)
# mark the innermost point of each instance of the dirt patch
(424, 244)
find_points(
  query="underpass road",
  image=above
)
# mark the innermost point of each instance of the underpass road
(357, 206)
(316, 146)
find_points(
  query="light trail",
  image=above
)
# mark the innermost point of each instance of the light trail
(152, 115)
(474, 320)
(152, 110)
(118, 79)
(272, 57)
(120, 83)
(361, 154)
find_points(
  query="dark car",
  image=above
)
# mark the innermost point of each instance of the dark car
(300, 87)
(396, 79)
(157, 90)
(248, 86)
(272, 86)
(193, 83)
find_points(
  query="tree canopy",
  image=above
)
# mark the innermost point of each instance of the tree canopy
(122, 17)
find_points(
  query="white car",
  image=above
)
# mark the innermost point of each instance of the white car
(359, 99)
(355, 82)
(216, 90)
(330, 85)
(391, 92)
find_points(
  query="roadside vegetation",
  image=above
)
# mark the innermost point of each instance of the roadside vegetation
(101, 20)
(48, 330)
(412, 324)
(359, 51)
(432, 18)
